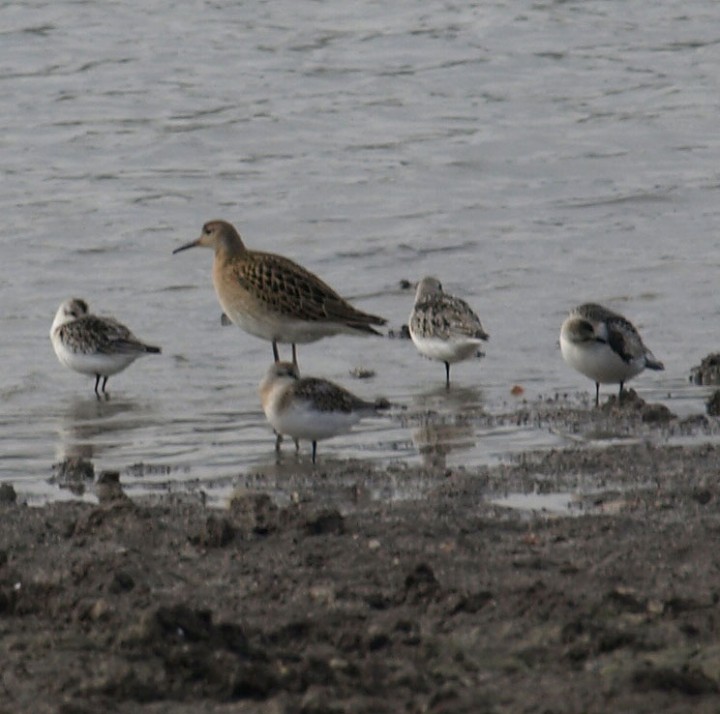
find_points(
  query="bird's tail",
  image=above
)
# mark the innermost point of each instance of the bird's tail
(652, 363)
(364, 321)
(365, 328)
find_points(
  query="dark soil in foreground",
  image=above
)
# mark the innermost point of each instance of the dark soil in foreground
(441, 604)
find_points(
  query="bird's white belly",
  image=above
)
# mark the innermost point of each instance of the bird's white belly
(301, 422)
(453, 350)
(599, 362)
(93, 364)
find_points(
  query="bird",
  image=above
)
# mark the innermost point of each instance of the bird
(274, 298)
(604, 346)
(310, 408)
(90, 344)
(444, 327)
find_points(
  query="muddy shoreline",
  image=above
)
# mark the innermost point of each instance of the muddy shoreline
(447, 602)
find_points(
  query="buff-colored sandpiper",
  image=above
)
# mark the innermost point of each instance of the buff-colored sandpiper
(273, 297)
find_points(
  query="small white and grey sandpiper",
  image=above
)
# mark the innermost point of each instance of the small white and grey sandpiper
(604, 346)
(89, 344)
(444, 327)
(310, 408)
(273, 297)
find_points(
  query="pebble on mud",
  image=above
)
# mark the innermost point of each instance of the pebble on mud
(121, 582)
(254, 513)
(420, 584)
(326, 522)
(215, 533)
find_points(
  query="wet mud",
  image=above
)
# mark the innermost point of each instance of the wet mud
(449, 601)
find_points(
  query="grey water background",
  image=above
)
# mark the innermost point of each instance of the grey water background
(530, 154)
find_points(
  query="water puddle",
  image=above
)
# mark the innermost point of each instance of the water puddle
(564, 503)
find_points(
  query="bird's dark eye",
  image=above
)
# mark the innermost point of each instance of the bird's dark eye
(206, 230)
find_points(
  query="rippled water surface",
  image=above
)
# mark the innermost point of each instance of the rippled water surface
(532, 155)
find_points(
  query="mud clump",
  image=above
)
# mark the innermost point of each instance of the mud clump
(74, 473)
(708, 371)
(7, 493)
(713, 404)
(630, 402)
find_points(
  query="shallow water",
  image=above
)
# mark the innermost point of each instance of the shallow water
(532, 155)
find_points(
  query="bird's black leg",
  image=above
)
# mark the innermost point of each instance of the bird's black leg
(295, 362)
(97, 384)
(447, 374)
(314, 450)
(597, 394)
(276, 354)
(278, 440)
(622, 384)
